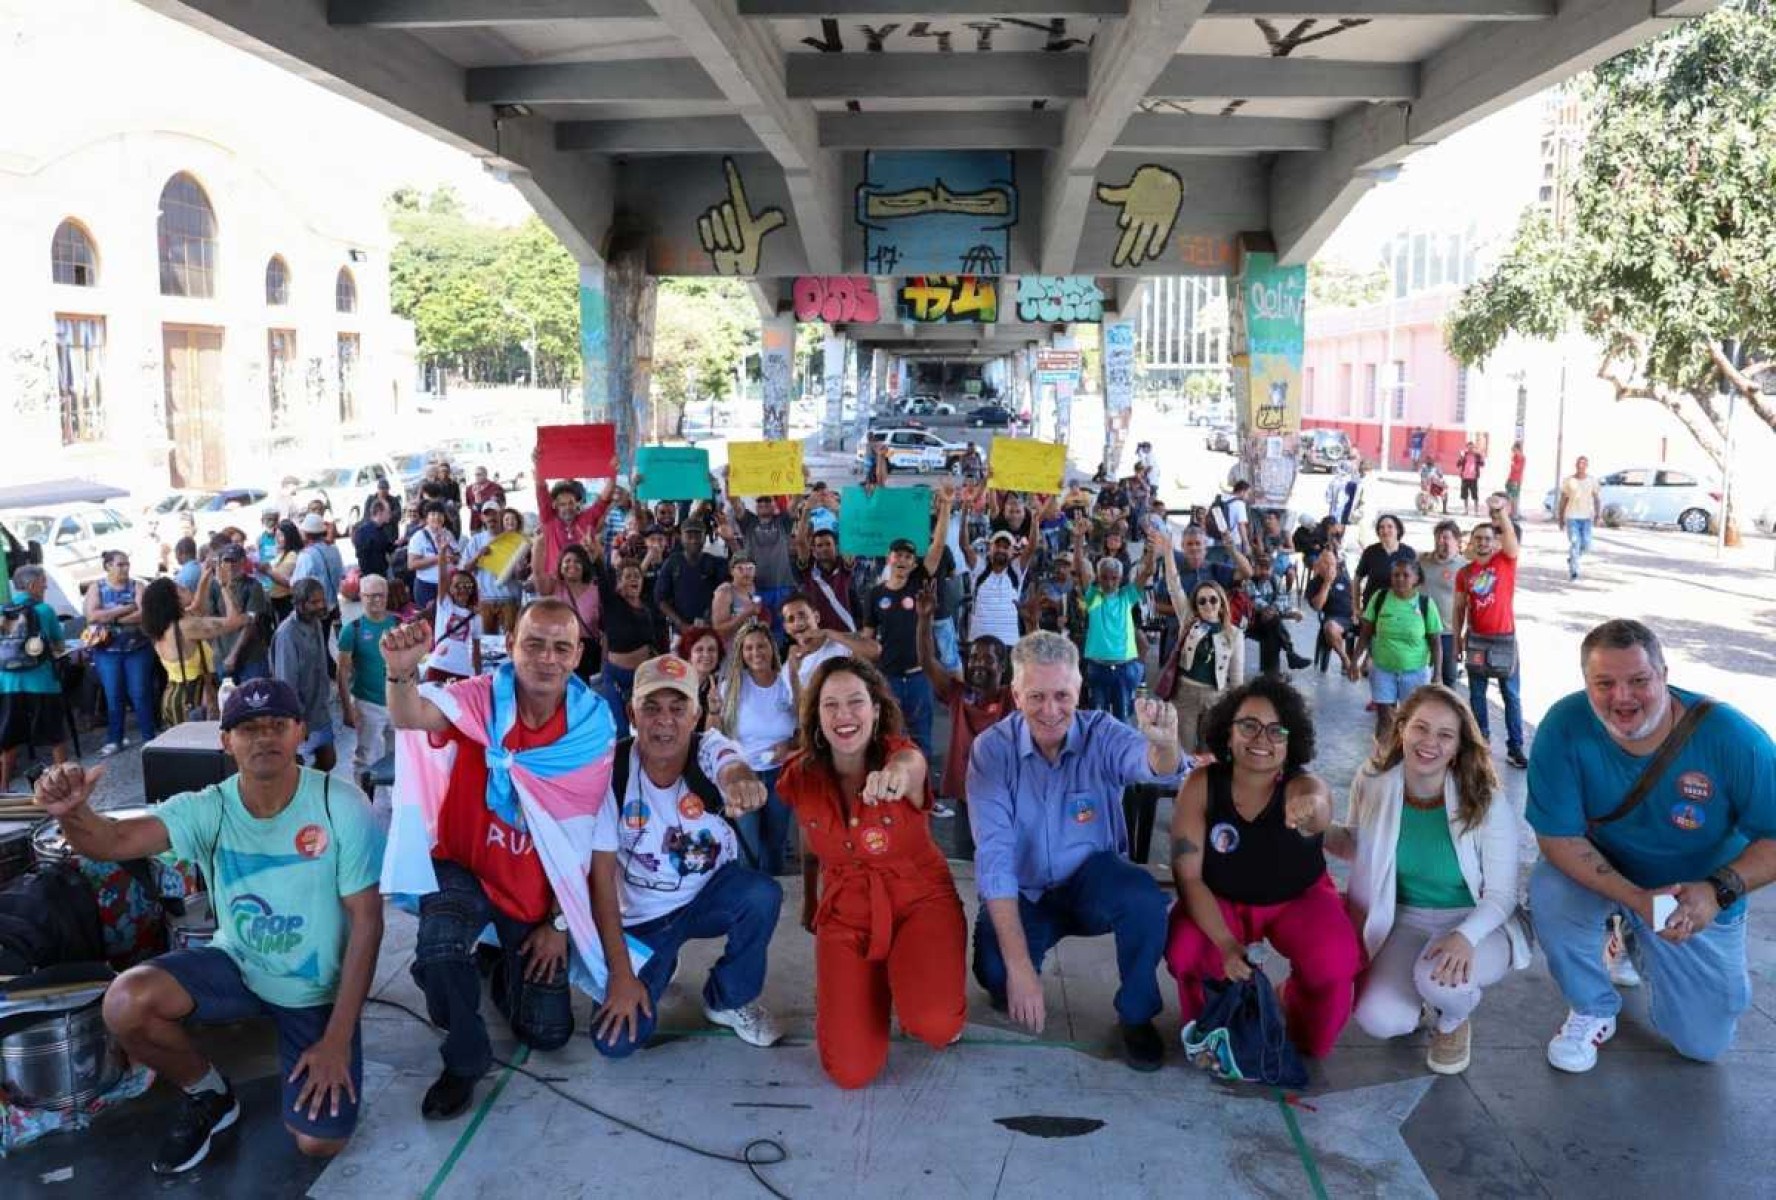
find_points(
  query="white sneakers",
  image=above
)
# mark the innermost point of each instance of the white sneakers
(751, 1023)
(1574, 1048)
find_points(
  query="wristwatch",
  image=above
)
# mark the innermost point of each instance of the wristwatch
(560, 922)
(1729, 889)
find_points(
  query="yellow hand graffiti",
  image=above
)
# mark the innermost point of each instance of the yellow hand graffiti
(1150, 201)
(732, 233)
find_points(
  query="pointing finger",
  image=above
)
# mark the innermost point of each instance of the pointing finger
(736, 187)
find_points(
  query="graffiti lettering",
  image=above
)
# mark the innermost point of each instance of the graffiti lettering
(829, 41)
(731, 233)
(884, 259)
(922, 29)
(937, 210)
(1279, 300)
(873, 36)
(1147, 209)
(1059, 298)
(950, 298)
(1009, 33)
(836, 299)
(1056, 30)
(1206, 253)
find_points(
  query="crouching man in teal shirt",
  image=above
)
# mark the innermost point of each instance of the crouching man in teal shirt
(292, 857)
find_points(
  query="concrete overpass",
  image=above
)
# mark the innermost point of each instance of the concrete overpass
(841, 153)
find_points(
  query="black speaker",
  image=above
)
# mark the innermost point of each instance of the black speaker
(183, 759)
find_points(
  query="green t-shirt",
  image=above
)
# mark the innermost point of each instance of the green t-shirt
(1400, 629)
(1427, 873)
(362, 639)
(39, 680)
(1110, 623)
(275, 884)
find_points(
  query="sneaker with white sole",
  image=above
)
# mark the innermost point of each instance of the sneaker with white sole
(1450, 1053)
(1574, 1048)
(201, 1116)
(751, 1023)
(108, 749)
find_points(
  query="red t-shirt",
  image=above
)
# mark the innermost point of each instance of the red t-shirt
(502, 858)
(1491, 589)
(1516, 475)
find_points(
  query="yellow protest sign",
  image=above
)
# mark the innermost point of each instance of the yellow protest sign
(1020, 465)
(765, 468)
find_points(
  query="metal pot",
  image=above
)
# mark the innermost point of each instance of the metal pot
(63, 1061)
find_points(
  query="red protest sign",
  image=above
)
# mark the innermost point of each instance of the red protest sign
(575, 451)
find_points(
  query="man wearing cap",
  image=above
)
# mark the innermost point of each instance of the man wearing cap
(998, 586)
(299, 657)
(563, 517)
(291, 857)
(666, 867)
(891, 617)
(384, 493)
(481, 493)
(246, 653)
(687, 583)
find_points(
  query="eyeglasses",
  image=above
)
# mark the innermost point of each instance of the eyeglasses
(1251, 727)
(1208, 602)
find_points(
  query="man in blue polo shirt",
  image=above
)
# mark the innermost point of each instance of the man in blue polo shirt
(1045, 805)
(1676, 866)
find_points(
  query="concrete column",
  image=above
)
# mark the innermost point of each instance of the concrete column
(833, 360)
(1266, 339)
(777, 357)
(869, 372)
(1117, 348)
(617, 345)
(1063, 395)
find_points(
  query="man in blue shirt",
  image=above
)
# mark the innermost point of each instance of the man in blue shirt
(1675, 867)
(31, 711)
(1045, 805)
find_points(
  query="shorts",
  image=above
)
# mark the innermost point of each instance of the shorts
(1470, 489)
(1391, 687)
(32, 718)
(222, 997)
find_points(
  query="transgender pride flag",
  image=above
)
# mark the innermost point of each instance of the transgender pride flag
(554, 792)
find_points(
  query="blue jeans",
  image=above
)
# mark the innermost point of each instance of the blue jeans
(763, 833)
(616, 684)
(424, 592)
(1509, 692)
(1450, 665)
(1107, 894)
(1578, 541)
(1696, 989)
(737, 903)
(913, 692)
(949, 651)
(1113, 686)
(128, 676)
(450, 921)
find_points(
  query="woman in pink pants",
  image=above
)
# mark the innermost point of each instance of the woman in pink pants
(1247, 857)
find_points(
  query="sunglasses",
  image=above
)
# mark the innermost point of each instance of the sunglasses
(1208, 602)
(1251, 727)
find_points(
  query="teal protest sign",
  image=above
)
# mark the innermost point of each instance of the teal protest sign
(672, 473)
(869, 521)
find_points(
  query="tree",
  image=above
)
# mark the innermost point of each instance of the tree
(702, 328)
(1670, 260)
(1334, 283)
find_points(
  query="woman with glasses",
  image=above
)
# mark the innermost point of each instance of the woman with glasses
(1210, 656)
(736, 602)
(123, 659)
(878, 897)
(1249, 865)
(456, 631)
(758, 711)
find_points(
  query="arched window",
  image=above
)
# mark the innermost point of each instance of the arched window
(187, 240)
(345, 292)
(72, 259)
(277, 281)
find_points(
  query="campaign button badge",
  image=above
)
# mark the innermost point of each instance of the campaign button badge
(875, 841)
(1694, 785)
(311, 841)
(690, 806)
(1224, 838)
(1688, 817)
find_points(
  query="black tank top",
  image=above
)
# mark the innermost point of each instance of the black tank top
(1261, 861)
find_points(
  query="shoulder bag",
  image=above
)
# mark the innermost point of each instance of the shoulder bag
(1490, 656)
(1669, 749)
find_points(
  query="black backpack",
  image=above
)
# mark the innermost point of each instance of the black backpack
(48, 916)
(22, 644)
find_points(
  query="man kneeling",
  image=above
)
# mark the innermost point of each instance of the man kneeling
(666, 869)
(292, 857)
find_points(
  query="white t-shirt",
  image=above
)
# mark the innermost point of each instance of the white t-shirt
(1238, 516)
(667, 844)
(832, 649)
(765, 717)
(423, 545)
(1582, 497)
(996, 595)
(453, 639)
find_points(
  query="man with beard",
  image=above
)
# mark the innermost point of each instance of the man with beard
(998, 586)
(828, 580)
(1656, 805)
(975, 699)
(299, 657)
(564, 519)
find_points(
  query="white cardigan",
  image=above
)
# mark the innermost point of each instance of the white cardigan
(1488, 859)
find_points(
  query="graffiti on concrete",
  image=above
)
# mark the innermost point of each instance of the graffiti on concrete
(1059, 298)
(949, 299)
(1147, 207)
(1204, 252)
(836, 299)
(731, 233)
(948, 210)
(983, 37)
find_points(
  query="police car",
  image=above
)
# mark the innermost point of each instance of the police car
(917, 450)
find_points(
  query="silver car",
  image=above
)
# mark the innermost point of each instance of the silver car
(1655, 495)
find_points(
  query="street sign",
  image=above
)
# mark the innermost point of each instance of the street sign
(1059, 366)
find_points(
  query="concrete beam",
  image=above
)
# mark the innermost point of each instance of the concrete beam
(940, 130)
(864, 10)
(473, 14)
(1242, 77)
(667, 135)
(1189, 133)
(1016, 76)
(592, 82)
(1126, 57)
(1323, 10)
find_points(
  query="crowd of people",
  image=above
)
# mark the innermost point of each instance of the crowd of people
(707, 682)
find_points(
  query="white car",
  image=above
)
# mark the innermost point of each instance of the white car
(917, 450)
(76, 536)
(1655, 495)
(344, 484)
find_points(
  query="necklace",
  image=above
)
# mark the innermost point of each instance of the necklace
(1424, 805)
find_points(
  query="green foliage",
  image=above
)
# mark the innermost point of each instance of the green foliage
(703, 327)
(1332, 283)
(1528, 293)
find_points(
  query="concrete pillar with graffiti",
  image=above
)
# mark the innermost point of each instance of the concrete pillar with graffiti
(867, 371)
(617, 344)
(777, 358)
(1267, 336)
(1063, 394)
(833, 358)
(1118, 357)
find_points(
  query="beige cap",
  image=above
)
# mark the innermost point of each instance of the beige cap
(666, 671)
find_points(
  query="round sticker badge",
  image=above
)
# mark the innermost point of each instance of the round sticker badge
(875, 840)
(1083, 810)
(635, 814)
(1688, 817)
(1224, 838)
(690, 806)
(906, 602)
(885, 603)
(311, 841)
(1694, 785)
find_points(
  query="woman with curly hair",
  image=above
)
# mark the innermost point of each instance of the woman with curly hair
(1433, 883)
(878, 896)
(181, 639)
(575, 581)
(1249, 865)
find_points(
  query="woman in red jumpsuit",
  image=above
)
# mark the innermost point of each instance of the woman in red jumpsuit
(888, 926)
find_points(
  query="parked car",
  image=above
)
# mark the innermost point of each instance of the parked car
(344, 483)
(1656, 495)
(1324, 450)
(506, 465)
(75, 537)
(63, 594)
(916, 450)
(926, 406)
(991, 416)
(1222, 438)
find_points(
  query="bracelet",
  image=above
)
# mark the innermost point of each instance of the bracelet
(403, 678)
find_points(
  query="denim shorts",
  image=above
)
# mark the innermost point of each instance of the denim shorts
(1391, 687)
(222, 997)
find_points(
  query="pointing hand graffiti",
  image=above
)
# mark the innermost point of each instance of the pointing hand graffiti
(1150, 201)
(732, 233)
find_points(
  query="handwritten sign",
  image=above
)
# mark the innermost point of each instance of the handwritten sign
(575, 451)
(672, 473)
(1021, 465)
(871, 520)
(765, 468)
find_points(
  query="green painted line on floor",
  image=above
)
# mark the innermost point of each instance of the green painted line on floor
(1308, 1163)
(468, 1134)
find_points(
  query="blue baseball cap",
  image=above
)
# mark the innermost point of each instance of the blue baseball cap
(261, 698)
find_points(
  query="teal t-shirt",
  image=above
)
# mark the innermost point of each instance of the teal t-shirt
(39, 680)
(1400, 629)
(1427, 873)
(1110, 623)
(362, 639)
(275, 884)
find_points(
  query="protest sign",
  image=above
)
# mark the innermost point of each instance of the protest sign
(869, 521)
(1021, 465)
(575, 451)
(672, 473)
(765, 468)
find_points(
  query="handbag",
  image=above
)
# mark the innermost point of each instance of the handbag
(204, 707)
(1241, 1035)
(1490, 656)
